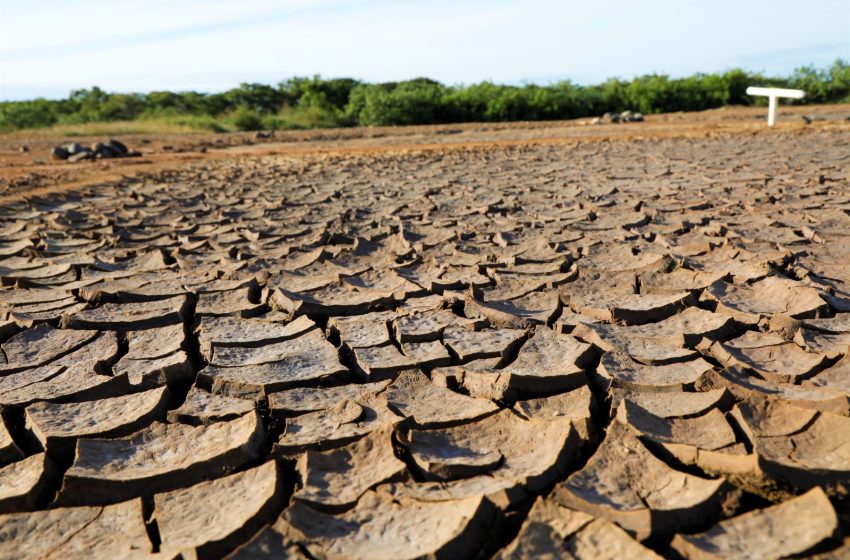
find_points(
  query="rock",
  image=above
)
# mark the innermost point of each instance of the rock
(786, 529)
(59, 153)
(611, 117)
(211, 518)
(57, 427)
(80, 156)
(159, 458)
(74, 148)
(102, 151)
(337, 478)
(117, 146)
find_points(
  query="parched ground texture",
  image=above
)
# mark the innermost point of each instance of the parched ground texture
(588, 349)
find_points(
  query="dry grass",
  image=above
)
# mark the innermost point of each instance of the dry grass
(121, 128)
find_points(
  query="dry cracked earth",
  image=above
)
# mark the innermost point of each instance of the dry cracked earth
(602, 350)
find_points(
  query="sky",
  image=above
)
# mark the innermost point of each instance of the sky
(50, 47)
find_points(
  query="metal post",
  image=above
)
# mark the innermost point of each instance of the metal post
(771, 110)
(773, 94)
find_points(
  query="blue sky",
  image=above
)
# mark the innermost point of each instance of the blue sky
(49, 47)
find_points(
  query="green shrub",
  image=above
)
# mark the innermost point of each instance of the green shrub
(416, 101)
(243, 118)
(318, 103)
(17, 115)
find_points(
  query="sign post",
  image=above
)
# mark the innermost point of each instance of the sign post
(773, 94)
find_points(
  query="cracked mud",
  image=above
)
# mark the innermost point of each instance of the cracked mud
(602, 350)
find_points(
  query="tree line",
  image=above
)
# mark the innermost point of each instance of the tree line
(317, 102)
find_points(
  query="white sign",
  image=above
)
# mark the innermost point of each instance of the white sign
(773, 94)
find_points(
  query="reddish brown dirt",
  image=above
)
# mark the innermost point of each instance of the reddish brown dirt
(34, 173)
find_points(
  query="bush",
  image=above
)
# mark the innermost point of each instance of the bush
(243, 118)
(18, 115)
(416, 101)
(318, 103)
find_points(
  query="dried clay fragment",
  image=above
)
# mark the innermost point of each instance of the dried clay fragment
(554, 531)
(337, 478)
(116, 531)
(211, 518)
(786, 529)
(408, 528)
(626, 484)
(159, 458)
